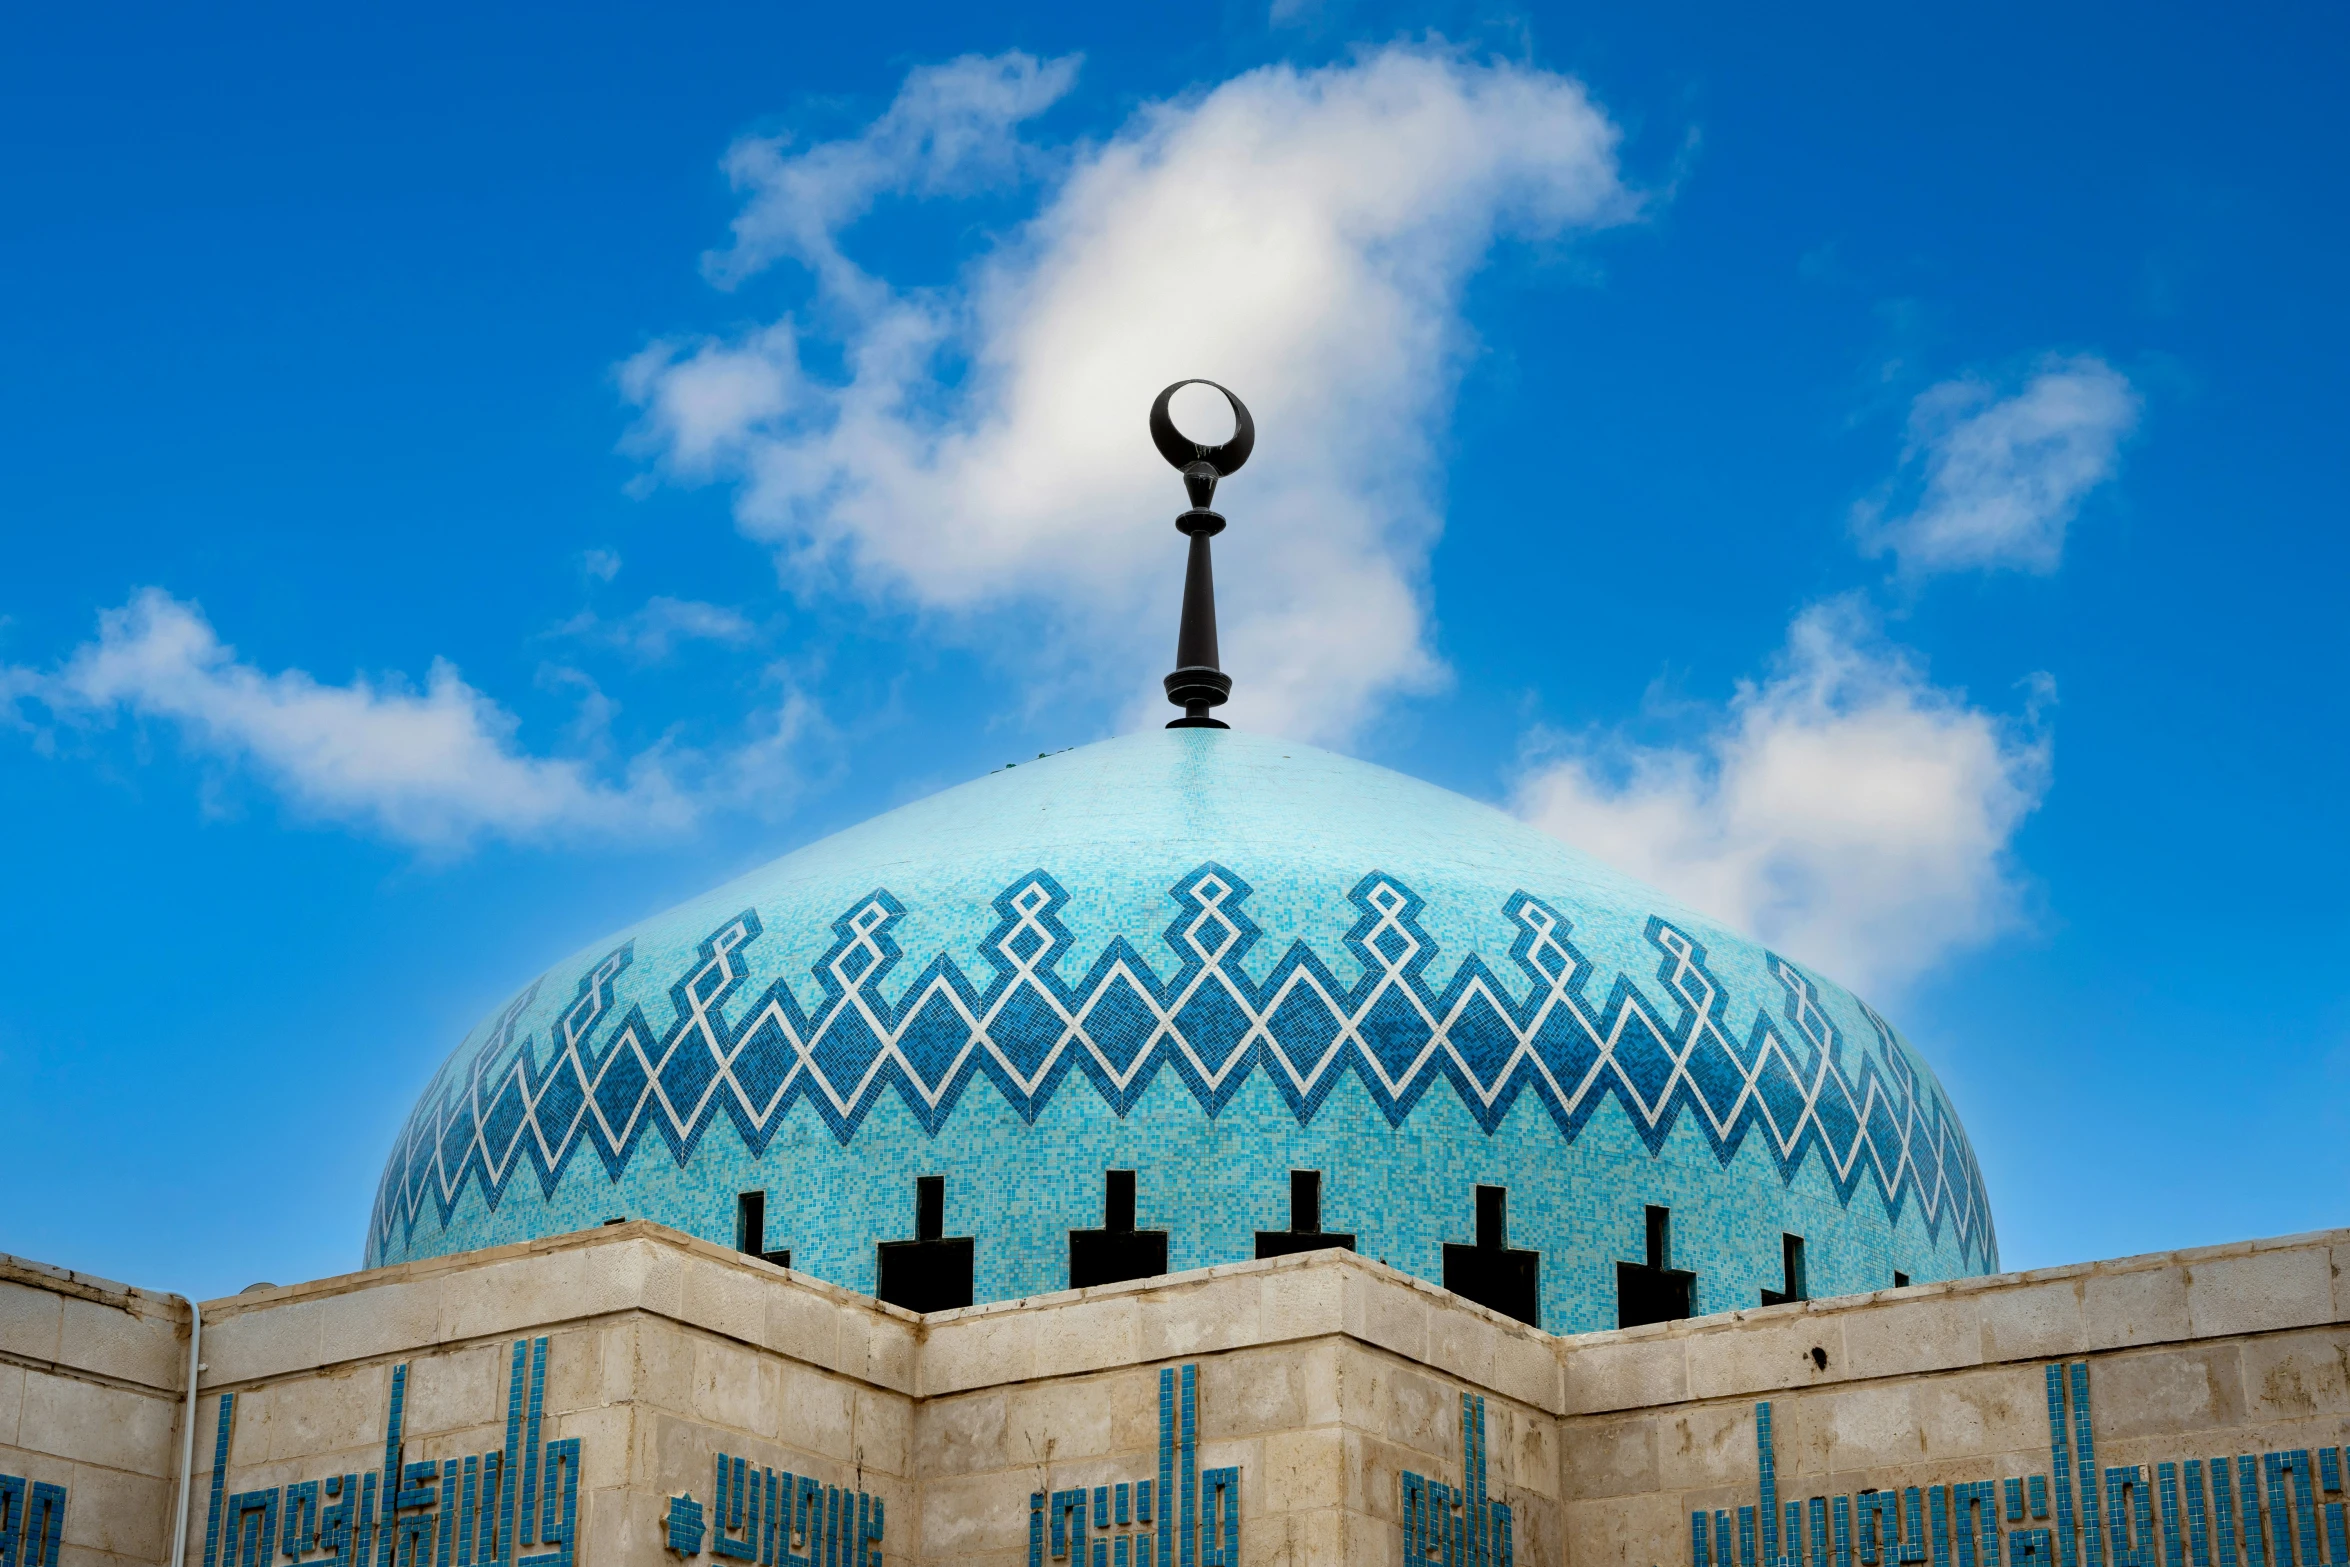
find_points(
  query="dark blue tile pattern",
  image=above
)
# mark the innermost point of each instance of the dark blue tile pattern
(1121, 1521)
(2126, 1515)
(1462, 1526)
(448, 1512)
(609, 1077)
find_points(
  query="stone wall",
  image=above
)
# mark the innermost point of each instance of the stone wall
(2190, 1355)
(91, 1375)
(1316, 1386)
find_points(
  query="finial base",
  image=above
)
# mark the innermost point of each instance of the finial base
(1195, 689)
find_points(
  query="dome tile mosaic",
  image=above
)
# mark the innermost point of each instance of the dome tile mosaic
(1204, 960)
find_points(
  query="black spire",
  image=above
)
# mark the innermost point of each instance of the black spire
(1197, 683)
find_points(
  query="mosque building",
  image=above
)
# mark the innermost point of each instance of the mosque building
(1187, 1150)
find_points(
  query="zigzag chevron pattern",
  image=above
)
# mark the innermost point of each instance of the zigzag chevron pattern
(1794, 1081)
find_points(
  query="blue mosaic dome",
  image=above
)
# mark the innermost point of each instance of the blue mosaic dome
(1212, 959)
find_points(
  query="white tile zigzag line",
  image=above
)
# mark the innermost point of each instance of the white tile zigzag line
(1390, 944)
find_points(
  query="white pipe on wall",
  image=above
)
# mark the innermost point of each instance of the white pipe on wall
(179, 1534)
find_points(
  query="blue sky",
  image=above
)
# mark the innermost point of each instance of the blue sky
(471, 479)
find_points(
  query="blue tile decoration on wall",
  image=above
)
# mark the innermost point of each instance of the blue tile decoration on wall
(2126, 1515)
(1258, 1013)
(32, 1522)
(446, 1512)
(1463, 1526)
(776, 1519)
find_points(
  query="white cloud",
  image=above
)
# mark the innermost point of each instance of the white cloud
(436, 768)
(1302, 236)
(1999, 478)
(655, 628)
(1844, 809)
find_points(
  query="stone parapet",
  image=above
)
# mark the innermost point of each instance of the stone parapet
(1317, 1395)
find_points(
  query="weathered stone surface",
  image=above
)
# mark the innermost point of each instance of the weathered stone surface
(1324, 1379)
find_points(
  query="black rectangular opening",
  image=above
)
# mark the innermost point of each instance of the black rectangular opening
(931, 1272)
(1490, 1272)
(1792, 1287)
(1305, 1232)
(1305, 1202)
(931, 1275)
(1900, 1279)
(750, 1222)
(1496, 1278)
(1117, 1251)
(1493, 1217)
(1654, 1291)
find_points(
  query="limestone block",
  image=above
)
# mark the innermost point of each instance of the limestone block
(1526, 1368)
(2291, 1376)
(1867, 1427)
(465, 1388)
(969, 1518)
(1906, 1337)
(805, 1325)
(1382, 1309)
(575, 1370)
(883, 1435)
(1307, 1539)
(981, 1350)
(304, 1416)
(259, 1342)
(960, 1436)
(1625, 1371)
(89, 1422)
(816, 1411)
(2142, 1305)
(11, 1403)
(1461, 1342)
(1304, 1470)
(1251, 1393)
(117, 1341)
(2260, 1292)
(31, 1320)
(1058, 1423)
(1304, 1300)
(1526, 1452)
(662, 1375)
(1220, 1312)
(2029, 1321)
(1984, 1413)
(606, 1439)
(1087, 1334)
(1610, 1456)
(725, 1297)
(1377, 1489)
(627, 1527)
(740, 1390)
(509, 1297)
(387, 1319)
(1704, 1446)
(878, 1346)
(1630, 1531)
(127, 1515)
(1321, 1380)
(1423, 1413)
(1762, 1355)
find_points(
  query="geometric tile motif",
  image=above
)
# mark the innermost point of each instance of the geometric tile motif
(606, 1083)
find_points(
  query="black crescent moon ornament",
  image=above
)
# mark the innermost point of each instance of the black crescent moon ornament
(1199, 682)
(1182, 451)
